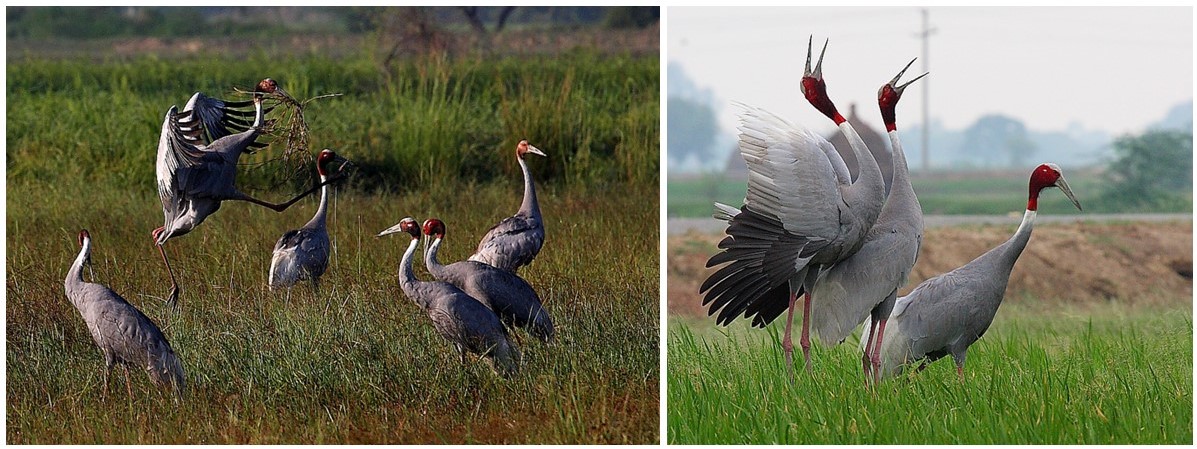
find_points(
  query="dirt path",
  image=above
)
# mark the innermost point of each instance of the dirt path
(1136, 263)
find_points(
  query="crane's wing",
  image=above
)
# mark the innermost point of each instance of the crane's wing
(512, 243)
(851, 288)
(205, 119)
(791, 175)
(937, 313)
(121, 328)
(760, 256)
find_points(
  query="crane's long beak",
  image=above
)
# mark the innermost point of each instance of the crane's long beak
(1063, 185)
(398, 227)
(534, 150)
(900, 88)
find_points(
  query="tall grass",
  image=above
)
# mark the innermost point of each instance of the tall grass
(356, 362)
(420, 121)
(1034, 378)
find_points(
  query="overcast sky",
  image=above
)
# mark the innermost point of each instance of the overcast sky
(1115, 69)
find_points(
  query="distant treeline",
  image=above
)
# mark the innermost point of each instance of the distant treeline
(57, 22)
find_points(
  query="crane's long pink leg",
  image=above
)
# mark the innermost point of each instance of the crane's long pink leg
(877, 352)
(866, 362)
(174, 285)
(805, 341)
(787, 344)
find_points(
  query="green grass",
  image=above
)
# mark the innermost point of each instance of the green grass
(1109, 376)
(415, 121)
(981, 194)
(356, 363)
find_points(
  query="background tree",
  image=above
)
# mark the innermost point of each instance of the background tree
(692, 127)
(995, 140)
(1152, 171)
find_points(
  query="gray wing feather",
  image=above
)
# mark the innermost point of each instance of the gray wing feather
(512, 243)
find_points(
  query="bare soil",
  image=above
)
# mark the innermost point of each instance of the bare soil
(1075, 264)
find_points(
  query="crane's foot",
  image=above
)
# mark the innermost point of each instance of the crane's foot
(173, 300)
(787, 347)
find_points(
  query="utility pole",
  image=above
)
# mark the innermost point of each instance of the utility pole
(926, 34)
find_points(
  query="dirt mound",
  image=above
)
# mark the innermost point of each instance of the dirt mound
(1076, 263)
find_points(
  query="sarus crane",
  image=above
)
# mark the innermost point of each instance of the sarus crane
(124, 335)
(946, 314)
(515, 240)
(866, 284)
(302, 254)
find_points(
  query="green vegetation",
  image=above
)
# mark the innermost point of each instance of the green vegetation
(1152, 171)
(958, 194)
(356, 362)
(425, 121)
(1104, 376)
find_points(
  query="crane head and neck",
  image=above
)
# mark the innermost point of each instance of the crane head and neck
(815, 89)
(323, 160)
(890, 93)
(74, 278)
(435, 229)
(407, 225)
(529, 205)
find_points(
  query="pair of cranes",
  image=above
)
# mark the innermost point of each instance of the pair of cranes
(196, 167)
(811, 227)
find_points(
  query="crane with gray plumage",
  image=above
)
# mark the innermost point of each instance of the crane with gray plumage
(508, 295)
(455, 315)
(124, 335)
(515, 240)
(302, 254)
(193, 177)
(866, 284)
(946, 314)
(802, 214)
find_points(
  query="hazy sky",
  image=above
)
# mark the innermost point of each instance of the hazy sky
(1115, 69)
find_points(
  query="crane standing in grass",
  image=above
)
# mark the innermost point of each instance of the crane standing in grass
(505, 293)
(124, 334)
(193, 178)
(946, 314)
(867, 283)
(302, 254)
(516, 240)
(457, 317)
(802, 214)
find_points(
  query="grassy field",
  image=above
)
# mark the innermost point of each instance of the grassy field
(1041, 375)
(962, 193)
(357, 362)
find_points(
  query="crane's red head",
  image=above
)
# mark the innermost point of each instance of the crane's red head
(815, 89)
(326, 157)
(83, 237)
(524, 147)
(410, 226)
(434, 227)
(889, 94)
(407, 224)
(1048, 175)
(267, 86)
